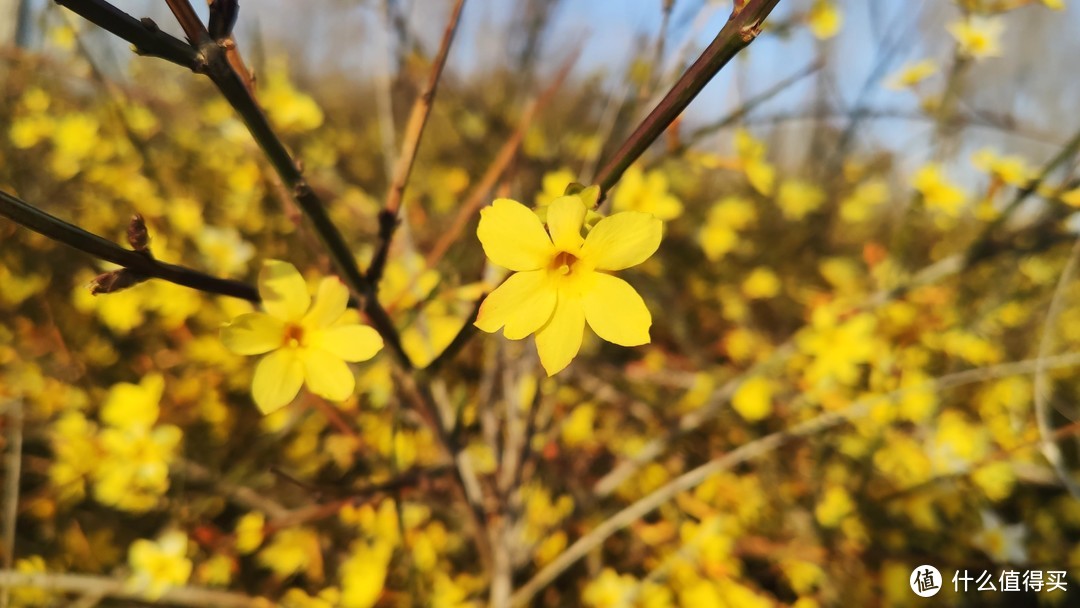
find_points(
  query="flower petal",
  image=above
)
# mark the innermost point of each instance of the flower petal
(513, 236)
(559, 341)
(283, 291)
(327, 375)
(277, 380)
(349, 342)
(523, 303)
(622, 240)
(616, 312)
(331, 300)
(565, 217)
(253, 333)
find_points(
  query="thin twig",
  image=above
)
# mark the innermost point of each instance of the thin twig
(242, 496)
(12, 477)
(759, 447)
(1042, 387)
(414, 131)
(740, 30)
(84, 584)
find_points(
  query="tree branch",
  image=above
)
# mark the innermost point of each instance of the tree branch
(742, 28)
(26, 215)
(145, 35)
(414, 131)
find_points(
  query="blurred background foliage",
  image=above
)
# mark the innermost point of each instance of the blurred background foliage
(867, 216)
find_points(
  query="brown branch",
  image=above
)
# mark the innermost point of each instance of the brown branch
(143, 34)
(414, 131)
(27, 215)
(189, 21)
(740, 30)
(117, 588)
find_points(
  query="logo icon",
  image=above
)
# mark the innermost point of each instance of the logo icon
(925, 581)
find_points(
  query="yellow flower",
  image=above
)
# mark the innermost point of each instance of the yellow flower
(798, 198)
(1011, 169)
(978, 36)
(825, 19)
(561, 279)
(308, 342)
(753, 399)
(912, 74)
(134, 406)
(938, 192)
(1057, 5)
(646, 192)
(751, 152)
(761, 283)
(250, 530)
(294, 550)
(834, 506)
(157, 566)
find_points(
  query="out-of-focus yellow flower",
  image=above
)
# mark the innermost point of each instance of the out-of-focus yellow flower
(553, 185)
(647, 193)
(31, 596)
(363, 575)
(825, 19)
(578, 428)
(834, 506)
(611, 590)
(720, 234)
(753, 399)
(561, 279)
(223, 249)
(856, 207)
(250, 531)
(134, 406)
(798, 198)
(1011, 169)
(308, 342)
(751, 152)
(156, 566)
(938, 192)
(912, 74)
(288, 109)
(1057, 5)
(978, 36)
(216, 571)
(292, 551)
(760, 283)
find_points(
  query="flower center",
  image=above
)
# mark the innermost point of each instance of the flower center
(294, 335)
(563, 263)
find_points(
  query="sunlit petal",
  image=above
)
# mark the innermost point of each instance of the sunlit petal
(558, 342)
(565, 217)
(331, 299)
(513, 236)
(616, 312)
(522, 304)
(253, 333)
(622, 240)
(277, 380)
(327, 375)
(283, 291)
(349, 342)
